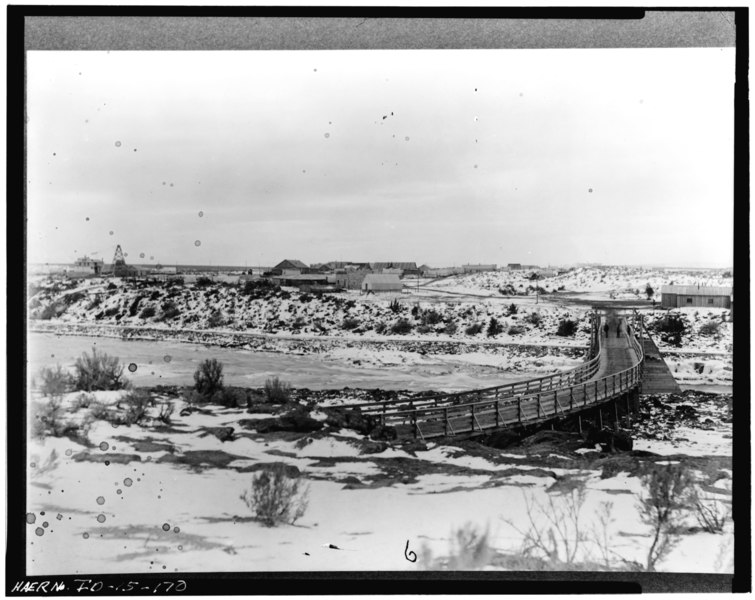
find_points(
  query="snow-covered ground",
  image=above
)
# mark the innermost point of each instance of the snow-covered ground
(156, 499)
(597, 283)
(289, 312)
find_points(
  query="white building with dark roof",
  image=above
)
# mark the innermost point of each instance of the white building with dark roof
(701, 296)
(379, 282)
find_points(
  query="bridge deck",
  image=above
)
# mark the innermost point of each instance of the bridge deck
(616, 353)
(616, 372)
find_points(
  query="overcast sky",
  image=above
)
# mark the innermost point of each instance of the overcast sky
(439, 157)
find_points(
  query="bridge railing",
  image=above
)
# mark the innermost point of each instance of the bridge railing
(577, 375)
(523, 409)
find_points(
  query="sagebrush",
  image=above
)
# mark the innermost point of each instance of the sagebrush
(275, 497)
(662, 506)
(277, 391)
(208, 377)
(98, 372)
(54, 382)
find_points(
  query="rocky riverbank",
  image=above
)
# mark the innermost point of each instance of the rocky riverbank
(304, 344)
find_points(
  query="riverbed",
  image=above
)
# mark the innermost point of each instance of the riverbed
(173, 363)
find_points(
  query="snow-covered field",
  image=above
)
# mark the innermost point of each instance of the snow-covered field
(597, 283)
(160, 497)
(157, 498)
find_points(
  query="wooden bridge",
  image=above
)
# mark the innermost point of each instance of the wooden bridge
(610, 378)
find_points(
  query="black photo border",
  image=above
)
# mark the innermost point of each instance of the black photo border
(100, 27)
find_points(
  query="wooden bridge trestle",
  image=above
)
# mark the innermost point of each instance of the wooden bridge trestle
(596, 384)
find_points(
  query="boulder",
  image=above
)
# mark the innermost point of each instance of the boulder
(383, 432)
(412, 446)
(502, 439)
(298, 421)
(341, 418)
(224, 434)
(372, 447)
(301, 422)
(610, 440)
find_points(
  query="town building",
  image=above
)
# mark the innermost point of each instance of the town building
(478, 268)
(379, 282)
(307, 282)
(442, 272)
(84, 266)
(406, 268)
(351, 279)
(678, 296)
(289, 267)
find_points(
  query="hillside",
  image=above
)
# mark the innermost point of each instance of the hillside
(263, 309)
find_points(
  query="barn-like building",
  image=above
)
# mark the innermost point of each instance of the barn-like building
(701, 296)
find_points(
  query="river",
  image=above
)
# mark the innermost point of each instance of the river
(174, 363)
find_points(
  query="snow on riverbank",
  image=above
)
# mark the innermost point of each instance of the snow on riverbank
(167, 499)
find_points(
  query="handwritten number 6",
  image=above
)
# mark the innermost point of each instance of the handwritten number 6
(409, 555)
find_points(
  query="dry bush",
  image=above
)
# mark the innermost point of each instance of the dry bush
(136, 403)
(48, 466)
(83, 400)
(208, 378)
(450, 328)
(474, 329)
(47, 419)
(277, 391)
(401, 327)
(54, 382)
(566, 327)
(710, 328)
(147, 312)
(275, 497)
(556, 533)
(350, 323)
(661, 506)
(710, 512)
(494, 327)
(98, 372)
(166, 412)
(469, 550)
(534, 318)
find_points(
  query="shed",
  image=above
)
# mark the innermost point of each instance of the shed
(678, 296)
(378, 282)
